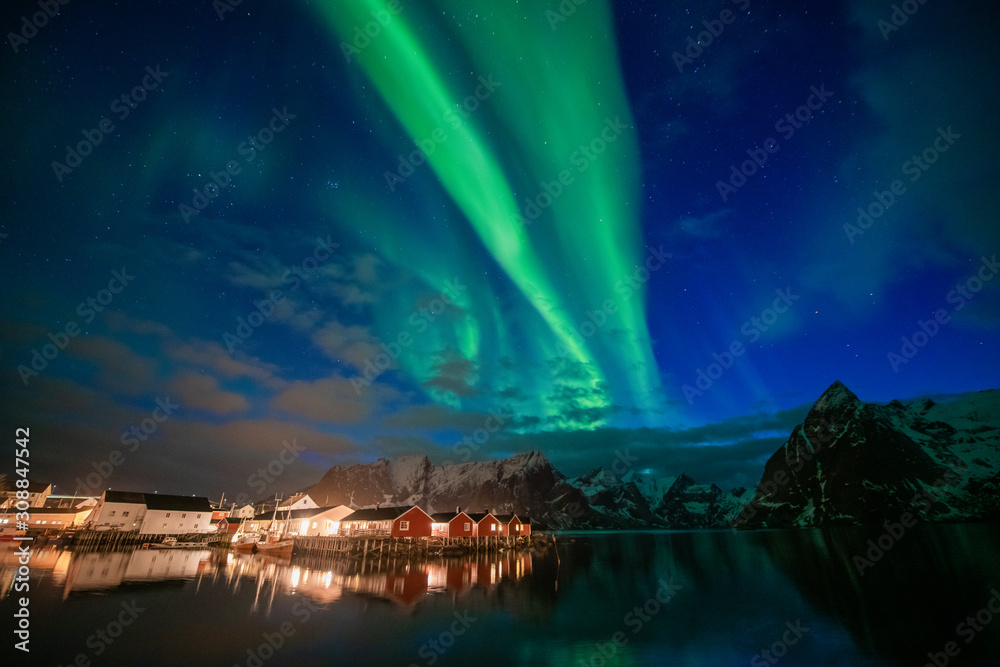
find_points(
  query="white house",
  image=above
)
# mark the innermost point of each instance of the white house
(38, 492)
(151, 513)
(176, 515)
(298, 501)
(245, 512)
(118, 510)
(322, 521)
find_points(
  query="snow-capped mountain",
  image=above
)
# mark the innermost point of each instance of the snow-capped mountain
(852, 462)
(849, 462)
(528, 484)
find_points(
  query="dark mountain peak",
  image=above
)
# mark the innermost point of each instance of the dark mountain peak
(681, 484)
(837, 395)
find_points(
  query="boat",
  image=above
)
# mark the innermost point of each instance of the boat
(172, 543)
(269, 543)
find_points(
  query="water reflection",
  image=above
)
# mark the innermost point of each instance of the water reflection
(735, 593)
(402, 582)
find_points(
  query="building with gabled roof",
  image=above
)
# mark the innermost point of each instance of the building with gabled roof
(486, 525)
(151, 513)
(452, 524)
(403, 521)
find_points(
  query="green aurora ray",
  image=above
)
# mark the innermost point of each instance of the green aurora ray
(558, 89)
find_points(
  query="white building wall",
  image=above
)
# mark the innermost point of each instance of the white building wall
(117, 516)
(175, 522)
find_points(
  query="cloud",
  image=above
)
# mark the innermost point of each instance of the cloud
(211, 355)
(201, 391)
(435, 417)
(345, 344)
(119, 368)
(119, 321)
(331, 400)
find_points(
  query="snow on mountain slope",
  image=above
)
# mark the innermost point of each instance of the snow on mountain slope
(852, 462)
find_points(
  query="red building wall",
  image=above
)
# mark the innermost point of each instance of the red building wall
(420, 524)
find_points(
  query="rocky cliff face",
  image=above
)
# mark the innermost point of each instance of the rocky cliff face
(852, 462)
(849, 462)
(527, 484)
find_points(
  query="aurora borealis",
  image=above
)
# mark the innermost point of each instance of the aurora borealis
(375, 227)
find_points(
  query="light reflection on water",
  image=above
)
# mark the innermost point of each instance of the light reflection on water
(596, 599)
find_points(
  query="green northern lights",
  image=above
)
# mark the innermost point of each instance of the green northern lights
(544, 106)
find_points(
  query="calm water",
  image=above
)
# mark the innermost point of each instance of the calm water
(665, 598)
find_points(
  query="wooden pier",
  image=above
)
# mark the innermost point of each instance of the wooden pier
(364, 546)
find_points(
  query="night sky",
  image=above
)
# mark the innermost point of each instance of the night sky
(257, 233)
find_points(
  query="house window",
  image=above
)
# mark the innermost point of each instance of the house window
(468, 526)
(124, 513)
(183, 515)
(112, 513)
(404, 525)
(164, 525)
(168, 515)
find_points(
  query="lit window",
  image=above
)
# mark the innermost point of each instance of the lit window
(493, 527)
(404, 525)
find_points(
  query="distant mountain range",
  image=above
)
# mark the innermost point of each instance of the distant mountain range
(849, 462)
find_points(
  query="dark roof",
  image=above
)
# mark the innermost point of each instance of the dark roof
(124, 497)
(479, 516)
(163, 501)
(504, 518)
(445, 517)
(380, 514)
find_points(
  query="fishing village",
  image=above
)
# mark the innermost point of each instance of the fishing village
(276, 527)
